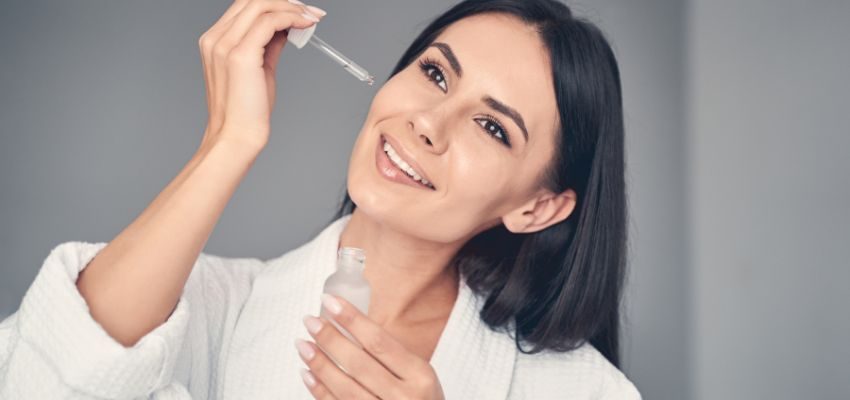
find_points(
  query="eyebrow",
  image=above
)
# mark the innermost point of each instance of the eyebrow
(489, 100)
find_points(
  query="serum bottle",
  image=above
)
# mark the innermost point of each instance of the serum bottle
(349, 283)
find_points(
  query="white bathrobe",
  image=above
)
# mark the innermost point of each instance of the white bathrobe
(231, 337)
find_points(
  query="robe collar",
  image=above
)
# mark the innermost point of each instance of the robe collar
(470, 359)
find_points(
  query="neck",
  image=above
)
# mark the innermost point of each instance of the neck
(410, 279)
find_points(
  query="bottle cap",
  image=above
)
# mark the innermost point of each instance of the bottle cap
(352, 253)
(300, 37)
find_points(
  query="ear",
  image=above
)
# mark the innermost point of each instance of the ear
(542, 211)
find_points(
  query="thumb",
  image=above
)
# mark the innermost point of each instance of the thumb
(274, 48)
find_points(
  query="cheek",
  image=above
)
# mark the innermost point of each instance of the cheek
(479, 177)
(404, 91)
(384, 105)
(389, 95)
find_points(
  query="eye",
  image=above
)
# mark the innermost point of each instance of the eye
(433, 72)
(492, 126)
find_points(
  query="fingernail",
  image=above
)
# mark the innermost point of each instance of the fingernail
(313, 324)
(331, 304)
(311, 17)
(304, 349)
(296, 2)
(308, 378)
(317, 11)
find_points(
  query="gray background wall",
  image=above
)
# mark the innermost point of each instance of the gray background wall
(737, 140)
(768, 192)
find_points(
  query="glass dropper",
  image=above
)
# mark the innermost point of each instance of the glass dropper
(350, 66)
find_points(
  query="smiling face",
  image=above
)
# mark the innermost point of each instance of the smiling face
(460, 111)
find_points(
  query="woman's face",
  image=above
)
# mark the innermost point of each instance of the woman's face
(473, 151)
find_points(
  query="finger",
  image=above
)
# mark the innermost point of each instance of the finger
(315, 386)
(231, 12)
(267, 25)
(335, 380)
(223, 21)
(249, 54)
(376, 341)
(214, 33)
(353, 360)
(271, 58)
(273, 50)
(247, 17)
(232, 31)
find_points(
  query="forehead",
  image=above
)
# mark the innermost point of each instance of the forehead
(503, 57)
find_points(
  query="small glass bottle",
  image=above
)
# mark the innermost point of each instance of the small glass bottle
(349, 283)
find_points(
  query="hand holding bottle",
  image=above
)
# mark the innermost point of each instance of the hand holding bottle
(383, 368)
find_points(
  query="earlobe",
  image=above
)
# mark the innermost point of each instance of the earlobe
(541, 212)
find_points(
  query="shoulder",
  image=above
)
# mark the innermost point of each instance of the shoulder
(580, 373)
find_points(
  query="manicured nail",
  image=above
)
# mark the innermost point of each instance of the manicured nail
(314, 325)
(311, 17)
(331, 304)
(304, 348)
(308, 378)
(317, 11)
(296, 2)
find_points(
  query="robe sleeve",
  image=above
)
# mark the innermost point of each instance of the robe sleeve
(51, 347)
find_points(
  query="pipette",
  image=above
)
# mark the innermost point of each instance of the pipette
(300, 37)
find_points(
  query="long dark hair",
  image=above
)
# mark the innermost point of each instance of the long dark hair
(562, 286)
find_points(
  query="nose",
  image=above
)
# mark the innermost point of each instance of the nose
(427, 132)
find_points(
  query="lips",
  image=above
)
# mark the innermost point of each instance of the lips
(393, 172)
(405, 157)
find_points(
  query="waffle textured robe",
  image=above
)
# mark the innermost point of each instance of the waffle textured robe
(231, 337)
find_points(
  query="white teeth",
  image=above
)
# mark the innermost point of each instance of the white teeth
(403, 165)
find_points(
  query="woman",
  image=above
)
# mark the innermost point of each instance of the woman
(509, 235)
